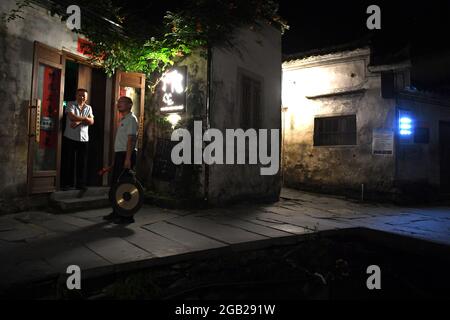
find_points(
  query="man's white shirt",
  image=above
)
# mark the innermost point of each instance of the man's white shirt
(81, 132)
(128, 126)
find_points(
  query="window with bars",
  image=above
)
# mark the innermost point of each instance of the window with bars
(335, 131)
(251, 90)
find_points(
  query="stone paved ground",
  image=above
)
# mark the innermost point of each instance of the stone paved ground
(34, 245)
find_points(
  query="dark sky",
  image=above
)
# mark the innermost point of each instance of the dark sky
(424, 26)
(319, 23)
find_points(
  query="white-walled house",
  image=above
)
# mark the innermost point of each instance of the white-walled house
(354, 128)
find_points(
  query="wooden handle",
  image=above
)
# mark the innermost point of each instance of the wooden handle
(34, 123)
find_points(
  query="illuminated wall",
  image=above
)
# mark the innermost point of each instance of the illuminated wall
(335, 85)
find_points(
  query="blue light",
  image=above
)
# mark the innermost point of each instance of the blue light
(405, 125)
(406, 120)
(405, 132)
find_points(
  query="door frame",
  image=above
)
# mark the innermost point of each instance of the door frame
(134, 80)
(38, 182)
(108, 135)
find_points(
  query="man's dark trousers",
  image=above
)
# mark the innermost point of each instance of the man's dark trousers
(76, 157)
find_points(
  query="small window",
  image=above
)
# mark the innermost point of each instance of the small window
(250, 102)
(335, 131)
(422, 135)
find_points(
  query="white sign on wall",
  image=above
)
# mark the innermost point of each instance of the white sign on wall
(383, 142)
(173, 87)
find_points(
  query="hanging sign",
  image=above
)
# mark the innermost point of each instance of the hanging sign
(173, 90)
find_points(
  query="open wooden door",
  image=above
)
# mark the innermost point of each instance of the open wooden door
(44, 120)
(131, 85)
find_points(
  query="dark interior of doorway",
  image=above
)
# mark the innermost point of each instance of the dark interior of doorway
(97, 99)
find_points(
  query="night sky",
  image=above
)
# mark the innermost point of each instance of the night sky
(315, 24)
(423, 26)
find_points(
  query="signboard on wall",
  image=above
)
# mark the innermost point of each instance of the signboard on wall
(173, 90)
(383, 142)
(84, 47)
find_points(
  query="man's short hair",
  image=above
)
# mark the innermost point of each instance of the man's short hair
(127, 100)
(82, 90)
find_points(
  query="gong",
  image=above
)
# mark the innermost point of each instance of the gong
(127, 197)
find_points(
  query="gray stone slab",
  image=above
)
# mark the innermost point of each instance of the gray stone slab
(8, 224)
(312, 212)
(292, 229)
(33, 217)
(80, 204)
(72, 194)
(216, 231)
(6, 246)
(240, 214)
(252, 227)
(401, 219)
(117, 250)
(156, 244)
(430, 226)
(215, 212)
(148, 216)
(22, 233)
(76, 255)
(75, 221)
(305, 222)
(187, 238)
(25, 270)
(292, 194)
(346, 212)
(4, 228)
(425, 235)
(285, 227)
(88, 199)
(280, 210)
(414, 232)
(92, 213)
(434, 226)
(301, 196)
(56, 226)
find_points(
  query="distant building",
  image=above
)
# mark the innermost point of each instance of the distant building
(353, 127)
(42, 63)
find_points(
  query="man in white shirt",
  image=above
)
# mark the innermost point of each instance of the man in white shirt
(125, 149)
(79, 117)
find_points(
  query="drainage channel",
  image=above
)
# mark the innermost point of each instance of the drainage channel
(329, 266)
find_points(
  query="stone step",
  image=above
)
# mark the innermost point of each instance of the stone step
(73, 194)
(80, 204)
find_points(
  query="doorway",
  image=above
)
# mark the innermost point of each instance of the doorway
(444, 141)
(56, 76)
(79, 75)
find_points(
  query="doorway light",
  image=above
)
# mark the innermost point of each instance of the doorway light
(173, 118)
